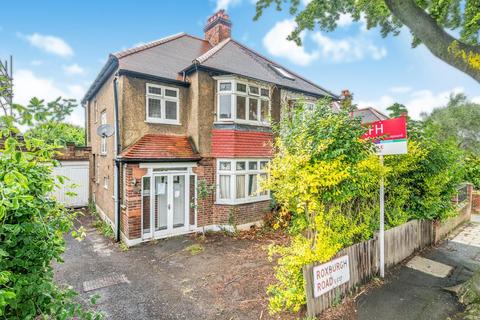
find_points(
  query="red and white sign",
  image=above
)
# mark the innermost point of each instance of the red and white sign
(330, 275)
(389, 135)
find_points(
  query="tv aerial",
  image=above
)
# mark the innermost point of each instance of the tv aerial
(105, 130)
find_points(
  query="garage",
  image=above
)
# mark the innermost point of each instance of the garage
(76, 173)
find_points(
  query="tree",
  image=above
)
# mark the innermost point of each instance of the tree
(431, 22)
(59, 133)
(32, 222)
(459, 120)
(397, 110)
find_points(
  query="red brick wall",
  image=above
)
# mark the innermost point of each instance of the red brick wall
(73, 153)
(476, 202)
(235, 143)
(240, 214)
(131, 214)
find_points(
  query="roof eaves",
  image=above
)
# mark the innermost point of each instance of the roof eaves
(149, 45)
(110, 66)
(146, 76)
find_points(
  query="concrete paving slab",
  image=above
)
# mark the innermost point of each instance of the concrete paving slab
(470, 235)
(430, 267)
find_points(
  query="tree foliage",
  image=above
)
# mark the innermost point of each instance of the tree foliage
(397, 110)
(32, 222)
(60, 133)
(325, 180)
(431, 22)
(459, 120)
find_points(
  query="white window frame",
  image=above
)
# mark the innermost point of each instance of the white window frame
(163, 99)
(233, 173)
(106, 181)
(103, 142)
(248, 95)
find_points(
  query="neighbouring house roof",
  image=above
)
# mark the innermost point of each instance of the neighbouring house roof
(169, 58)
(369, 115)
(158, 147)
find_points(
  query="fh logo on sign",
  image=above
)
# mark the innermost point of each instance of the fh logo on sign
(390, 136)
(330, 275)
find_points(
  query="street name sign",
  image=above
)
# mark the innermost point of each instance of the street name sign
(330, 275)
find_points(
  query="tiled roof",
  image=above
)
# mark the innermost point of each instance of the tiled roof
(169, 57)
(232, 56)
(165, 57)
(161, 147)
(369, 115)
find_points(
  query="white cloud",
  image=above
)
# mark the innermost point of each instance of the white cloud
(28, 85)
(276, 43)
(476, 99)
(224, 4)
(73, 69)
(342, 50)
(344, 20)
(417, 102)
(50, 44)
(400, 89)
(348, 49)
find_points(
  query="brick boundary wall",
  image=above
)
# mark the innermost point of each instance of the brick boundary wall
(476, 202)
(73, 153)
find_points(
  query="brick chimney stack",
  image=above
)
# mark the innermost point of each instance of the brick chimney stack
(218, 28)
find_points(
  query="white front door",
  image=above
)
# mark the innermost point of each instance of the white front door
(168, 196)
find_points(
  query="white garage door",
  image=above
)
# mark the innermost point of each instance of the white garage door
(77, 174)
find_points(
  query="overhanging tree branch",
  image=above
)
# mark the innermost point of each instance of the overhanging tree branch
(435, 38)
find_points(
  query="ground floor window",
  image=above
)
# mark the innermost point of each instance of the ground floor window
(238, 180)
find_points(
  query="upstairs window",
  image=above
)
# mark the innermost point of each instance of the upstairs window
(243, 102)
(162, 104)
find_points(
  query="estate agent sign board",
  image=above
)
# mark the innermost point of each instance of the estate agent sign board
(390, 136)
(330, 275)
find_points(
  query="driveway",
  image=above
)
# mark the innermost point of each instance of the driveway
(412, 294)
(169, 279)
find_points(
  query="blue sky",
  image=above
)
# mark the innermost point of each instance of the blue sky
(60, 46)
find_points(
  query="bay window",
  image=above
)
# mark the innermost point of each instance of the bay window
(162, 104)
(239, 180)
(243, 102)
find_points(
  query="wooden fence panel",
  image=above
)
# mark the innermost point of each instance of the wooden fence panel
(400, 243)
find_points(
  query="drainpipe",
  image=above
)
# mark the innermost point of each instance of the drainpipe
(118, 147)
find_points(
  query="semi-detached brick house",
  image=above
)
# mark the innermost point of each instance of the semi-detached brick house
(188, 112)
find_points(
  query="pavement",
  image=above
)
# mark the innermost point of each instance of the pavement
(416, 290)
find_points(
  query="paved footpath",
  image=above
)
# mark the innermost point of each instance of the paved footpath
(415, 290)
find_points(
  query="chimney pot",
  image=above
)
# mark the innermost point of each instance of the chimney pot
(218, 28)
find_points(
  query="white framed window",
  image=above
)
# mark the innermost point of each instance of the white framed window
(103, 142)
(162, 104)
(106, 181)
(243, 102)
(238, 180)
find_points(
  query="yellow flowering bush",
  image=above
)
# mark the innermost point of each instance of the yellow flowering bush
(325, 180)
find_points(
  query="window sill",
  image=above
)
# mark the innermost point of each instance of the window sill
(249, 123)
(173, 123)
(242, 201)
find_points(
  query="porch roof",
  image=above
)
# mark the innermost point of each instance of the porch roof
(159, 147)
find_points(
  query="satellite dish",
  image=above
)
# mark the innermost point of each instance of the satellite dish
(105, 130)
